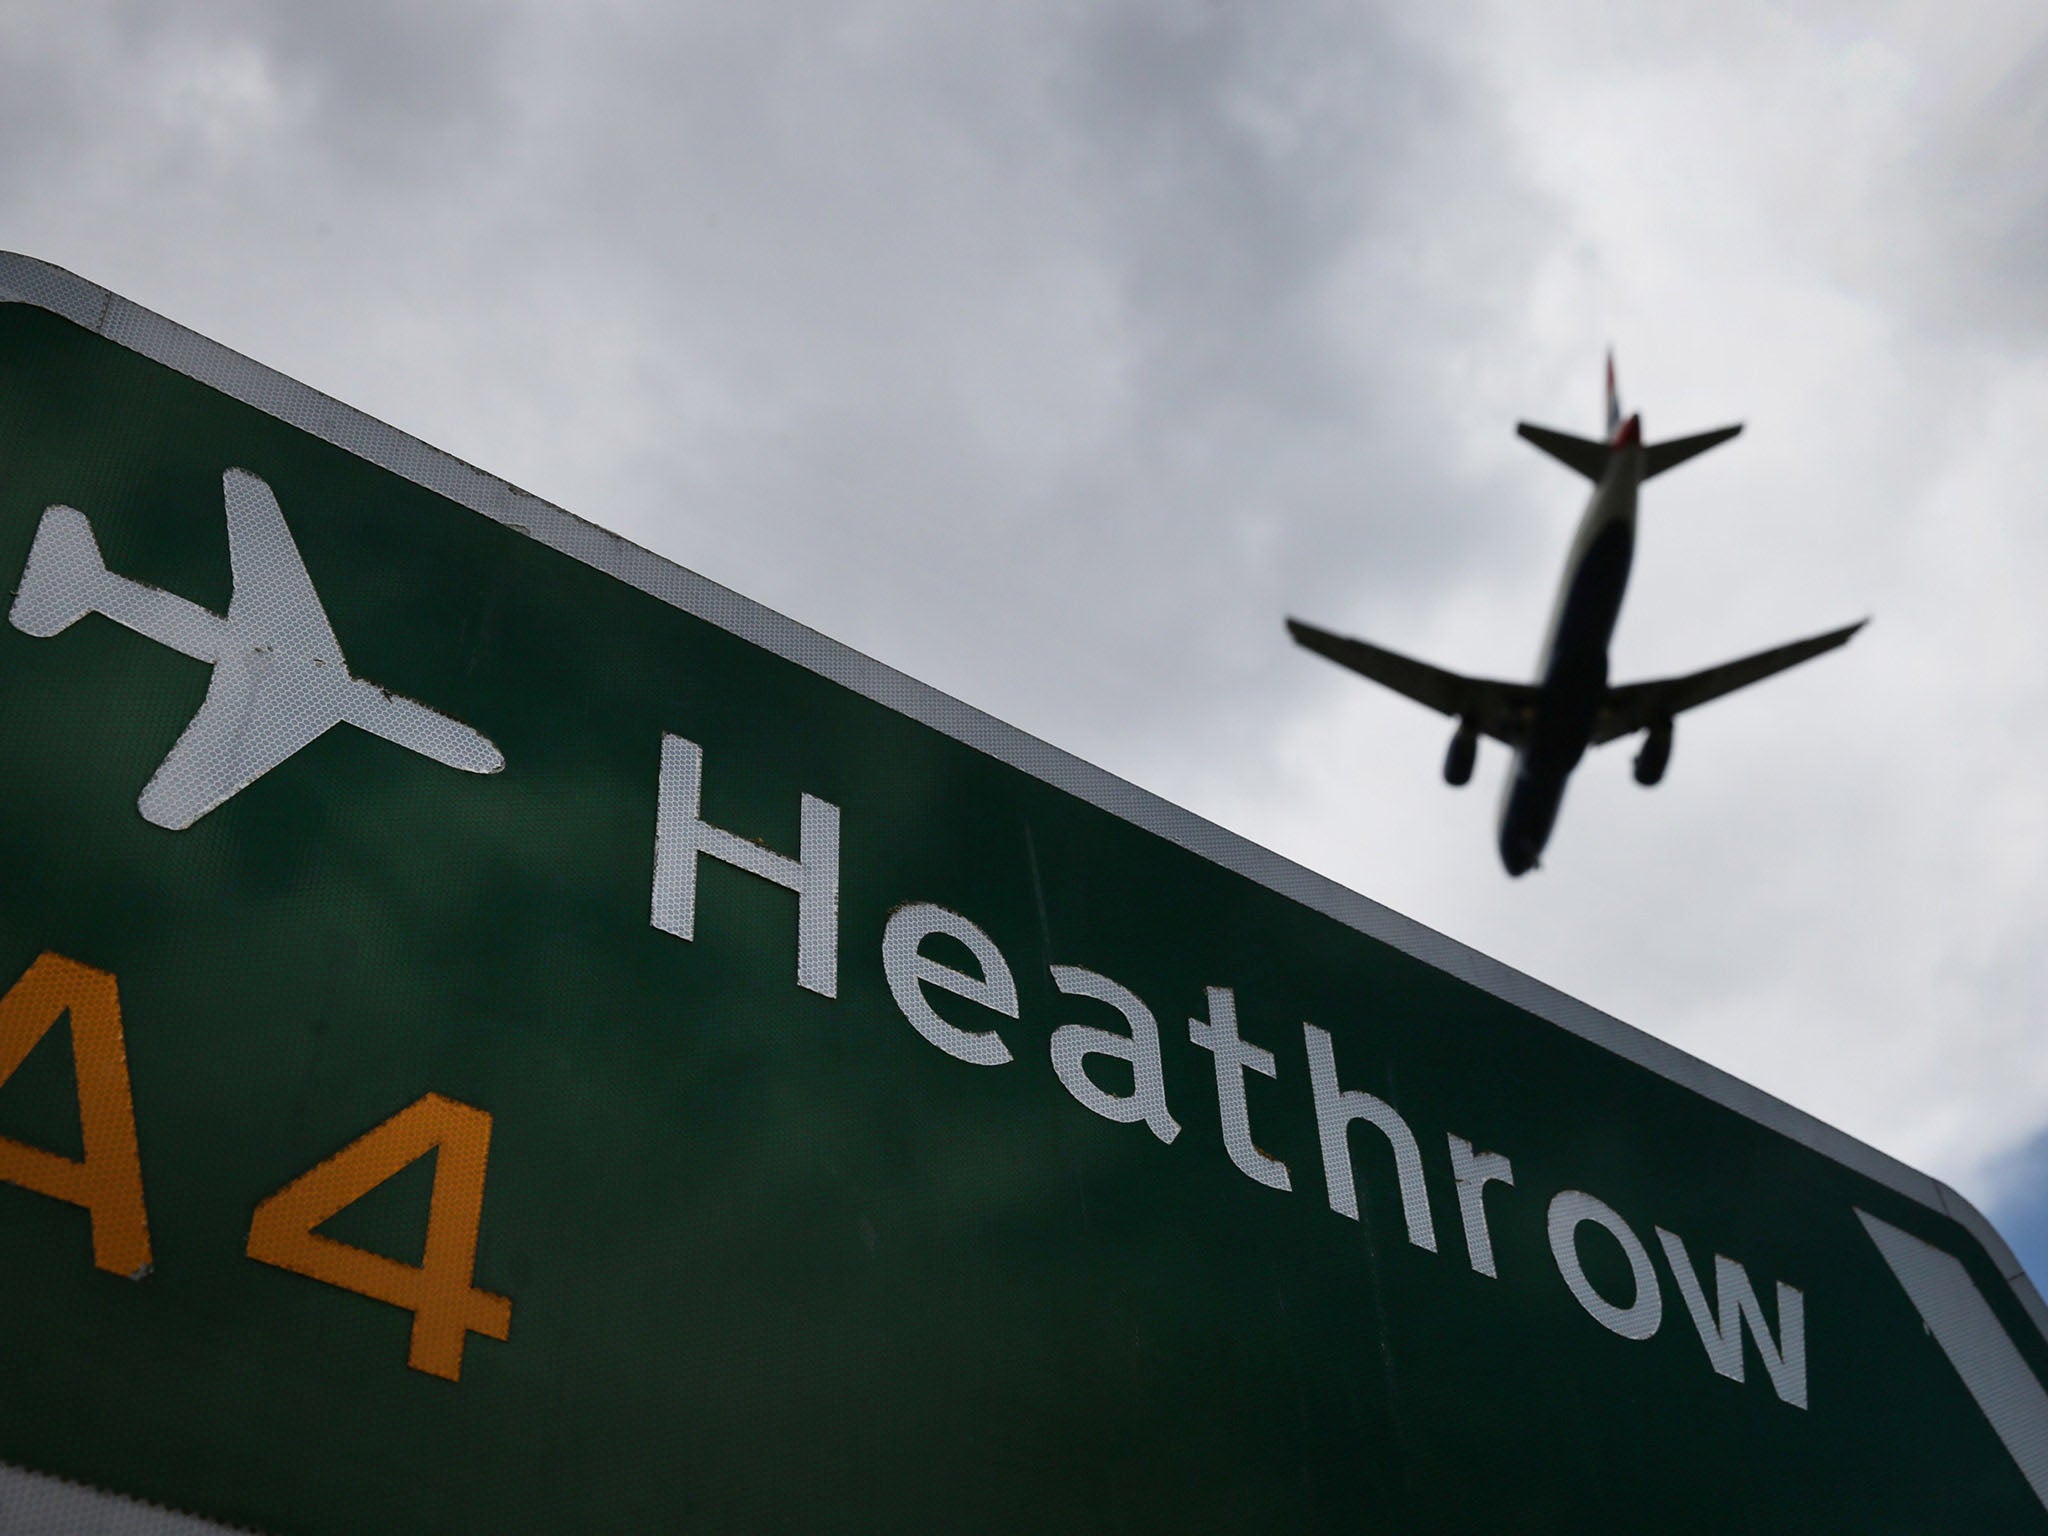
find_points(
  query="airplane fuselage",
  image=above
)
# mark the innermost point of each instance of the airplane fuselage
(1572, 675)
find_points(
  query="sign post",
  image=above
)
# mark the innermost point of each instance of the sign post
(501, 1034)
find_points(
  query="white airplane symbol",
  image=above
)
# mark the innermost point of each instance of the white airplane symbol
(279, 680)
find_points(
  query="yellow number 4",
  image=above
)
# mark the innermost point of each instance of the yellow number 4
(446, 1307)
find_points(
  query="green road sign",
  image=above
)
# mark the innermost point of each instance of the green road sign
(501, 1034)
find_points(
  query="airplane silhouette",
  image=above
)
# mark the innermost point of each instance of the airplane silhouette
(279, 679)
(1551, 722)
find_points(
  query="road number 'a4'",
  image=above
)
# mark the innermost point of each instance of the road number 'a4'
(107, 1180)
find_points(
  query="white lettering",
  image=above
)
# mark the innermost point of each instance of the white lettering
(1336, 1109)
(905, 968)
(1722, 1336)
(1639, 1319)
(1072, 1044)
(681, 834)
(1233, 1056)
(1474, 1171)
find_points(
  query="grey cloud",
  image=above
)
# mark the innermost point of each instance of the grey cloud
(381, 88)
(1064, 308)
(1982, 186)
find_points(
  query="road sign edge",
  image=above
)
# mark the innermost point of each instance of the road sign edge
(46, 286)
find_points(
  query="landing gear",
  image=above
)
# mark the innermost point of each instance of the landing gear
(1656, 754)
(1464, 750)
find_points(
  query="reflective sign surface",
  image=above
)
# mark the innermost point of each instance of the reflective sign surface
(493, 1046)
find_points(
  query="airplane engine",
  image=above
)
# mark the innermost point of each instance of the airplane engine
(1464, 750)
(1656, 754)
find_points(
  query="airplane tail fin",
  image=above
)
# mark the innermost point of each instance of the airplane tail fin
(1582, 453)
(1590, 458)
(62, 581)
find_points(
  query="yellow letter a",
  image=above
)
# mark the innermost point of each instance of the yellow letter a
(108, 1180)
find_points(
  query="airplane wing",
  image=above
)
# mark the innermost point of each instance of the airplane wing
(419, 729)
(274, 596)
(259, 710)
(1638, 706)
(1501, 710)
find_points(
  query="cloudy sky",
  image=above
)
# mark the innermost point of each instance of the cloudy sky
(1053, 352)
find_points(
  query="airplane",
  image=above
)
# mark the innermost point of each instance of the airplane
(279, 679)
(1549, 723)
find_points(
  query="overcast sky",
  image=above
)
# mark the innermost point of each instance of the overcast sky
(1052, 353)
